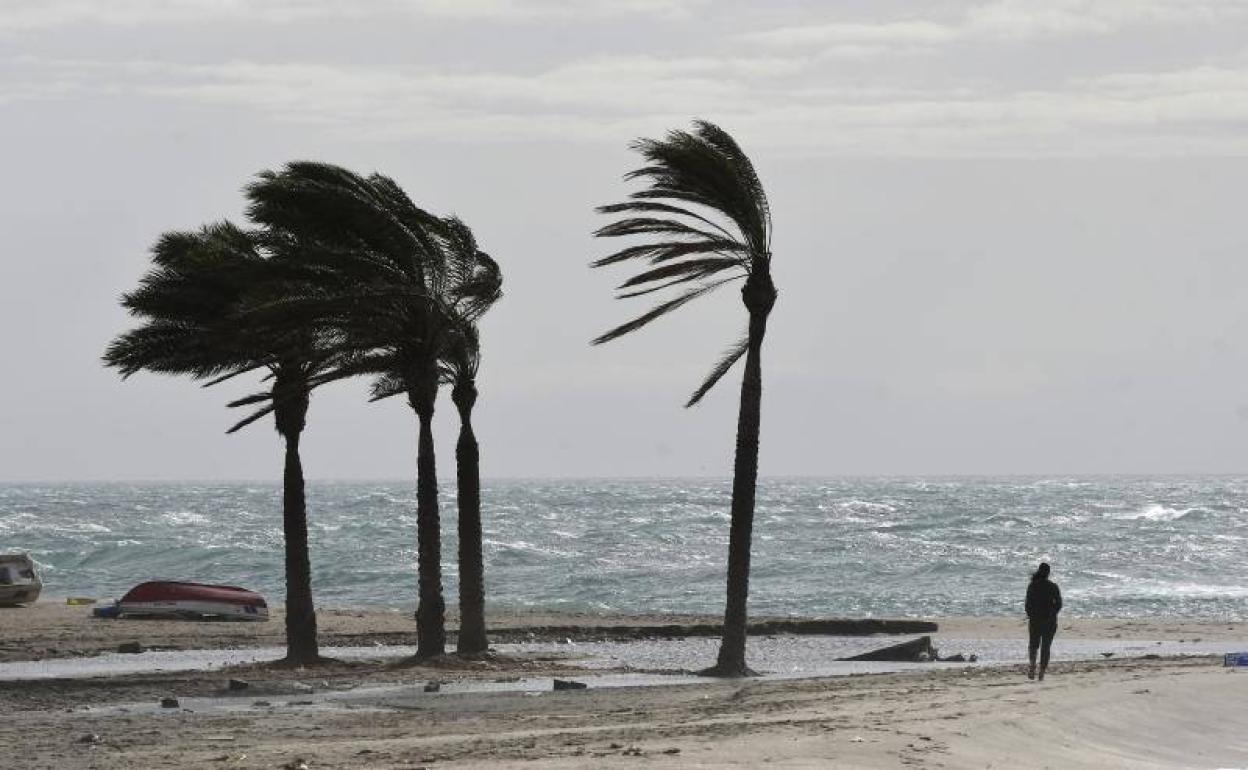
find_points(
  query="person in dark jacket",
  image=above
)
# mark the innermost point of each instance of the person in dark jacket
(1044, 601)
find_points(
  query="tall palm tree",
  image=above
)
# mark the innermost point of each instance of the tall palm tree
(706, 222)
(473, 285)
(189, 303)
(386, 272)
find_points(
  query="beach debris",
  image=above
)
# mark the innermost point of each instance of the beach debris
(261, 703)
(1235, 659)
(433, 685)
(301, 687)
(296, 764)
(568, 684)
(129, 648)
(958, 658)
(107, 611)
(169, 703)
(237, 684)
(914, 651)
(632, 751)
(90, 738)
(74, 601)
(1107, 654)
(672, 750)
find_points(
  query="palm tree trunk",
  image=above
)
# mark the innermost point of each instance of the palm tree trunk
(431, 609)
(301, 645)
(290, 409)
(472, 637)
(759, 295)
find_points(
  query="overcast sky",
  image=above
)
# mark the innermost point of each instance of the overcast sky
(1010, 237)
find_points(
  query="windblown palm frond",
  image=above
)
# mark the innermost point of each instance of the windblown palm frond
(462, 359)
(706, 220)
(186, 302)
(197, 305)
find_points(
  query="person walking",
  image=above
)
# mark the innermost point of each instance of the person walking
(1044, 601)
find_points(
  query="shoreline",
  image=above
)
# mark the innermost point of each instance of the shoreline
(51, 630)
(378, 714)
(46, 631)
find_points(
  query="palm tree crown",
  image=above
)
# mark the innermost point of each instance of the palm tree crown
(708, 215)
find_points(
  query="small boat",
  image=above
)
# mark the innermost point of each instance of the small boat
(194, 601)
(19, 581)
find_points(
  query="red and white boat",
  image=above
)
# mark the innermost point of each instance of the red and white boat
(192, 600)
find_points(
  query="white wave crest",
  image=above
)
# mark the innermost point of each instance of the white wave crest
(184, 517)
(1154, 512)
(865, 506)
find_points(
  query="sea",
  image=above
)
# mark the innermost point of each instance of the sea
(1159, 547)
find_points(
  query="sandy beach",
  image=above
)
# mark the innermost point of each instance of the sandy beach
(376, 713)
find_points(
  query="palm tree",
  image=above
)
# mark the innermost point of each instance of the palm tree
(473, 285)
(386, 274)
(706, 220)
(189, 303)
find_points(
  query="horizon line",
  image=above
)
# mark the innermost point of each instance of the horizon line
(450, 480)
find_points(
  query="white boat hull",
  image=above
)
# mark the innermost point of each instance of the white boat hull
(193, 608)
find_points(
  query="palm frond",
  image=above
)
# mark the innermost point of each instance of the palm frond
(692, 268)
(657, 226)
(729, 359)
(386, 385)
(638, 205)
(664, 251)
(684, 279)
(267, 409)
(658, 311)
(254, 398)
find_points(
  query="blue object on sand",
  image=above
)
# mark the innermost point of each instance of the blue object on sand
(107, 611)
(1235, 659)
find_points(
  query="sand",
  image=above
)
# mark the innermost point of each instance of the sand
(1168, 712)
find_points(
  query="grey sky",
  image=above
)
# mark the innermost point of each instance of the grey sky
(1009, 235)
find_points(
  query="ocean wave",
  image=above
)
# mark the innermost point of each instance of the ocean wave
(868, 507)
(1007, 520)
(1159, 589)
(1157, 512)
(185, 517)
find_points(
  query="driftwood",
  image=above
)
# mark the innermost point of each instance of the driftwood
(914, 651)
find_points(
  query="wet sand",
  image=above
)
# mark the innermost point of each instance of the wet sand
(1166, 712)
